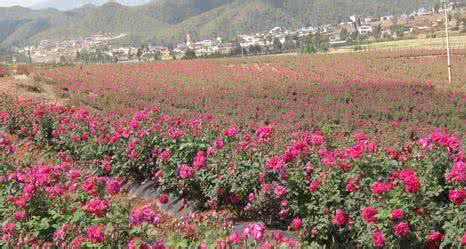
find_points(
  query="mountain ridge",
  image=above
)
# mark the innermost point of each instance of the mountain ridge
(168, 21)
(65, 5)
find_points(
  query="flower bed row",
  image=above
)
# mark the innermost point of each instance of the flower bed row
(4, 71)
(357, 195)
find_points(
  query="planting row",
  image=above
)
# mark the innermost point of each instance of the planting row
(387, 96)
(355, 193)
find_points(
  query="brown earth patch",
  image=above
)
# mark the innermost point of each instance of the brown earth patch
(22, 86)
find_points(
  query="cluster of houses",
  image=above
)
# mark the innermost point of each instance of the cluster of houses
(98, 48)
(54, 51)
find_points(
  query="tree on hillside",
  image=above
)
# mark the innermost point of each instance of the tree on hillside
(78, 56)
(378, 31)
(289, 43)
(436, 7)
(139, 54)
(63, 59)
(189, 55)
(277, 45)
(157, 55)
(316, 43)
(255, 49)
(343, 34)
(459, 19)
(237, 49)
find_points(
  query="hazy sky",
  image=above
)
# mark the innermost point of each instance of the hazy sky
(18, 2)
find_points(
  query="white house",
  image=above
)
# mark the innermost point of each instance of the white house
(365, 30)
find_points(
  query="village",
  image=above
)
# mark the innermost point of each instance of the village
(357, 30)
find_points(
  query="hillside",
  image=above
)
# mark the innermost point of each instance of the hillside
(165, 21)
(111, 17)
(72, 4)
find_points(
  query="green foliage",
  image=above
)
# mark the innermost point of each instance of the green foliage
(168, 21)
(316, 43)
(190, 54)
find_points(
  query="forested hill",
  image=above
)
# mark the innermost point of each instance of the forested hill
(163, 21)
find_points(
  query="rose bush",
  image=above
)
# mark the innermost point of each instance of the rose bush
(4, 71)
(329, 193)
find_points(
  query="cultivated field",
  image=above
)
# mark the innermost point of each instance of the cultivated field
(361, 92)
(456, 42)
(354, 150)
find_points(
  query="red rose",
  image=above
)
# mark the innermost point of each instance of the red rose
(378, 239)
(401, 229)
(457, 196)
(314, 186)
(412, 184)
(163, 198)
(297, 223)
(433, 240)
(368, 214)
(380, 188)
(463, 240)
(396, 214)
(340, 218)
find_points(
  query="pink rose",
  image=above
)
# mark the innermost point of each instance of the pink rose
(378, 239)
(457, 196)
(368, 214)
(163, 198)
(95, 234)
(396, 214)
(297, 223)
(314, 186)
(340, 218)
(401, 229)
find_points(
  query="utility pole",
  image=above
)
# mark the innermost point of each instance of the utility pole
(15, 67)
(448, 41)
(29, 55)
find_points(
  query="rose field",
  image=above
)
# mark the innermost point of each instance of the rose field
(350, 150)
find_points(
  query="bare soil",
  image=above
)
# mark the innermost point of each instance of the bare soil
(23, 86)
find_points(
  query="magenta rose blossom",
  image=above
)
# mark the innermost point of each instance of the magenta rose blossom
(368, 214)
(463, 240)
(457, 196)
(297, 223)
(165, 155)
(275, 163)
(279, 191)
(97, 207)
(396, 214)
(412, 184)
(20, 215)
(234, 238)
(340, 218)
(378, 239)
(401, 229)
(314, 186)
(251, 197)
(113, 186)
(380, 188)
(95, 234)
(433, 240)
(185, 171)
(232, 131)
(163, 198)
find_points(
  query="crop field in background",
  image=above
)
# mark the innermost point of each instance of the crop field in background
(349, 150)
(371, 92)
(456, 42)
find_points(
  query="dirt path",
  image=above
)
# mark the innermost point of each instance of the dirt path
(24, 86)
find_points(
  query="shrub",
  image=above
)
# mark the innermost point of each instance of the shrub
(359, 194)
(4, 71)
